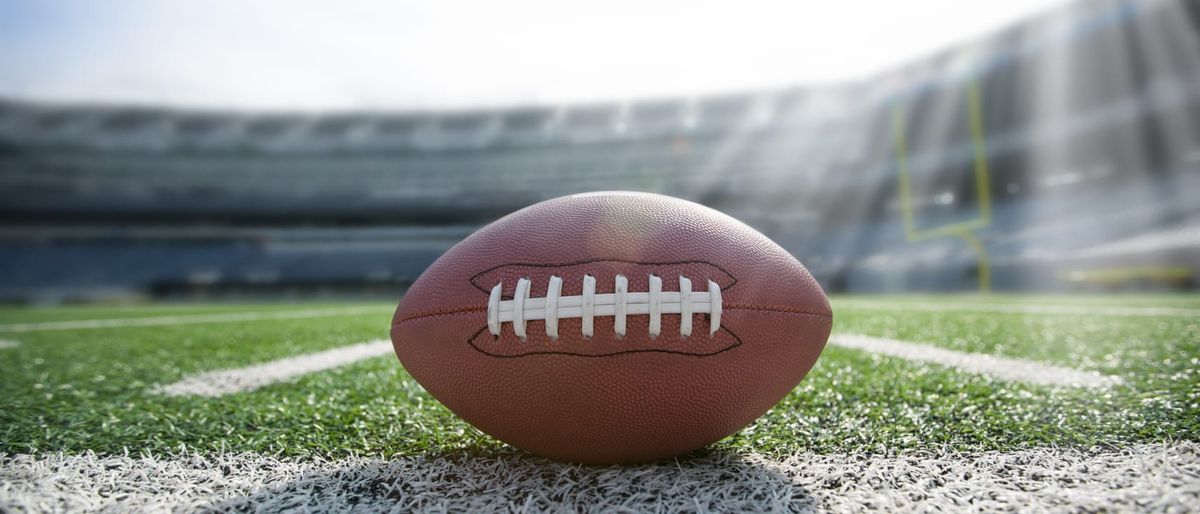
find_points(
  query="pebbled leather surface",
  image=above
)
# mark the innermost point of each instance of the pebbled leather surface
(612, 399)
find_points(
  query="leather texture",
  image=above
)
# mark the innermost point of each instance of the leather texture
(612, 399)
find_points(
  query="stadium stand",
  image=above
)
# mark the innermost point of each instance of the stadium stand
(1087, 169)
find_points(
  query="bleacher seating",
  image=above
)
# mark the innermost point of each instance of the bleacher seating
(114, 196)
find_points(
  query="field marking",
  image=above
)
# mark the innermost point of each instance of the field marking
(238, 380)
(8, 343)
(1085, 310)
(184, 319)
(1139, 478)
(230, 381)
(1016, 370)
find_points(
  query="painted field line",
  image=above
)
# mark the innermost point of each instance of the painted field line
(5, 343)
(184, 319)
(1078, 310)
(230, 381)
(1016, 370)
(1139, 478)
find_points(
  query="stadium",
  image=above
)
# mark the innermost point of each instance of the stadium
(1009, 230)
(139, 201)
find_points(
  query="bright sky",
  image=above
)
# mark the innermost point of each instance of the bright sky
(352, 54)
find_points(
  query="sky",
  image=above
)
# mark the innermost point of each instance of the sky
(353, 54)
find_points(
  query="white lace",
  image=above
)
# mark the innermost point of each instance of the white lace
(620, 304)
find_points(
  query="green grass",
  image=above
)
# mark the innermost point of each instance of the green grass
(79, 390)
(1172, 300)
(39, 315)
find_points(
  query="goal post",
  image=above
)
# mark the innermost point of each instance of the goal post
(964, 229)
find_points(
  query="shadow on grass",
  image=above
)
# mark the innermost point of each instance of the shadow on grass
(709, 481)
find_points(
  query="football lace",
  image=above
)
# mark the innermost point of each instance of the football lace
(620, 304)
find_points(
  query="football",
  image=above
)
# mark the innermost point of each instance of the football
(612, 327)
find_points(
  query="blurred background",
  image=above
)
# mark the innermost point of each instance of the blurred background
(170, 150)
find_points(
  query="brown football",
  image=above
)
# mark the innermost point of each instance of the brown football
(612, 327)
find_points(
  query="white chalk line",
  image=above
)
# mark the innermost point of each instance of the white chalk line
(230, 381)
(7, 343)
(1160, 477)
(1014, 370)
(1076, 310)
(183, 319)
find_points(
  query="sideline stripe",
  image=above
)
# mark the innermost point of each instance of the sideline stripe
(6, 343)
(1016, 370)
(182, 319)
(229, 381)
(1085, 310)
(1139, 478)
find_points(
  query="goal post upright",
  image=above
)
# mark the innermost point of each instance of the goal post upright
(965, 229)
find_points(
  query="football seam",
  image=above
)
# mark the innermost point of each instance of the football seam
(733, 279)
(775, 308)
(741, 307)
(435, 314)
(737, 343)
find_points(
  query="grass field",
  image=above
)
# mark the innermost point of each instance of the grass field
(73, 390)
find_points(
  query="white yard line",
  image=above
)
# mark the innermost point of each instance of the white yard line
(6, 343)
(1017, 370)
(230, 381)
(1141, 478)
(1077, 310)
(184, 319)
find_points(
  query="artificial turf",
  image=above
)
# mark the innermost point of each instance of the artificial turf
(80, 390)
